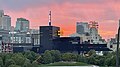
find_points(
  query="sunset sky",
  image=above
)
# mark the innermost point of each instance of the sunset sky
(65, 13)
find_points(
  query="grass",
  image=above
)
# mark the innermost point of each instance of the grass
(67, 64)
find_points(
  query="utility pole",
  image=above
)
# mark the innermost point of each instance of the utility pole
(117, 51)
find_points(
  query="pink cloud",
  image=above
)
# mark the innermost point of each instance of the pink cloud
(67, 14)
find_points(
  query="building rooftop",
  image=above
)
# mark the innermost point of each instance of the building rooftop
(21, 19)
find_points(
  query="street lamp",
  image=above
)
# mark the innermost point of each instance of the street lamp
(117, 54)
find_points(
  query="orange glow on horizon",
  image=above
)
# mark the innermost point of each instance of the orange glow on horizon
(66, 15)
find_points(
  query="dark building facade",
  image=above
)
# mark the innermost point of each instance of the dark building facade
(47, 34)
(49, 39)
(66, 44)
(71, 44)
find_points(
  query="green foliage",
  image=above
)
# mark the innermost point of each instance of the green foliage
(101, 61)
(35, 64)
(56, 55)
(31, 55)
(81, 58)
(46, 57)
(39, 59)
(1, 62)
(91, 52)
(31, 59)
(27, 63)
(26, 59)
(107, 61)
(14, 66)
(69, 57)
(91, 60)
(106, 53)
(50, 57)
(9, 62)
(18, 58)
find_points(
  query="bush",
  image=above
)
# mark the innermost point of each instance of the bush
(69, 57)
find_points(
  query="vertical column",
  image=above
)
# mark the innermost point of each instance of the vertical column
(117, 54)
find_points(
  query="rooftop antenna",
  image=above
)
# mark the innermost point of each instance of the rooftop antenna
(49, 18)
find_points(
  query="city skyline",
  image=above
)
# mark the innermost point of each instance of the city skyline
(66, 13)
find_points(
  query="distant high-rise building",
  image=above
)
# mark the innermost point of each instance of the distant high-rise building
(22, 25)
(95, 36)
(1, 22)
(82, 27)
(1, 13)
(93, 31)
(88, 32)
(5, 21)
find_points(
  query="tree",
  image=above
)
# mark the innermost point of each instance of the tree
(39, 59)
(19, 58)
(91, 60)
(113, 61)
(35, 64)
(56, 55)
(69, 57)
(46, 57)
(2, 55)
(27, 63)
(101, 61)
(106, 53)
(31, 55)
(1, 62)
(110, 59)
(91, 52)
(9, 62)
(81, 58)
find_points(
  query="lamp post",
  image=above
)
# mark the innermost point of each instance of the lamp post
(117, 54)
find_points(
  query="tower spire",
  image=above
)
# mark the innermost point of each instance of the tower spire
(49, 18)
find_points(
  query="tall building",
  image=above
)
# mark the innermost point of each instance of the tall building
(47, 34)
(82, 27)
(88, 32)
(94, 32)
(1, 22)
(5, 21)
(22, 25)
(1, 13)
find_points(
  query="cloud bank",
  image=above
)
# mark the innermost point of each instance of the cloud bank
(66, 13)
